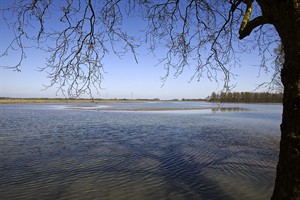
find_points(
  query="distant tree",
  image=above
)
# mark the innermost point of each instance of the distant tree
(78, 34)
(237, 97)
(213, 97)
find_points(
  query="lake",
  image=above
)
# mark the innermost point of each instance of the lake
(145, 150)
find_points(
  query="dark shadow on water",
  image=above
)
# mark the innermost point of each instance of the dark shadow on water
(178, 172)
(182, 177)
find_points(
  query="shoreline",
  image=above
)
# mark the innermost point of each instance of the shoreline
(98, 101)
(65, 101)
(213, 109)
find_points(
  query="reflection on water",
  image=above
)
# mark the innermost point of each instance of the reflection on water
(229, 109)
(51, 153)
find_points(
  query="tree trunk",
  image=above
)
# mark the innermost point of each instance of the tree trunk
(285, 16)
(287, 185)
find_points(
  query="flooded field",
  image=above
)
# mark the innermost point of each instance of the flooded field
(157, 150)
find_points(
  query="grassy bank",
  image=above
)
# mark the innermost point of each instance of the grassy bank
(59, 100)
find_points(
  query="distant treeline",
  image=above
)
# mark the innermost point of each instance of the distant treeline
(246, 97)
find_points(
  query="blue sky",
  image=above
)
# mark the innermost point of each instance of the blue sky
(124, 78)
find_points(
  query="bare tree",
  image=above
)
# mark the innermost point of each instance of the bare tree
(278, 65)
(78, 34)
(274, 84)
(77, 45)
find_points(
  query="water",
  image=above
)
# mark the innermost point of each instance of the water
(87, 151)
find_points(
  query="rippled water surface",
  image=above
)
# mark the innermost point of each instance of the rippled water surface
(82, 151)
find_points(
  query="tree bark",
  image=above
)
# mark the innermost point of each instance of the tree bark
(285, 16)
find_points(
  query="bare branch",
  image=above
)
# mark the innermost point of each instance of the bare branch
(194, 34)
(84, 33)
(258, 21)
